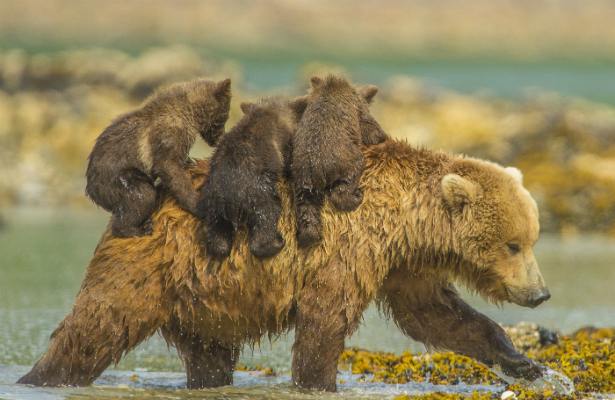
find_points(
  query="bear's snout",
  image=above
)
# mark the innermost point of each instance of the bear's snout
(538, 297)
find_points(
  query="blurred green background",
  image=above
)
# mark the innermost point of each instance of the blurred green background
(523, 83)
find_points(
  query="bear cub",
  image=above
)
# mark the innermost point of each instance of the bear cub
(326, 156)
(151, 143)
(241, 188)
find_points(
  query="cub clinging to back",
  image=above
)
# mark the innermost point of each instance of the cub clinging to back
(326, 156)
(150, 143)
(242, 186)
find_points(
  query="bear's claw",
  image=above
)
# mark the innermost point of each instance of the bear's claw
(519, 366)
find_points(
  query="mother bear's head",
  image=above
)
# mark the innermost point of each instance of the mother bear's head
(495, 226)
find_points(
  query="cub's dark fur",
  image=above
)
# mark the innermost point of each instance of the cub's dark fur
(153, 142)
(326, 153)
(241, 189)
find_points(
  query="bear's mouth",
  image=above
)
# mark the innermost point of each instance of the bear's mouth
(531, 298)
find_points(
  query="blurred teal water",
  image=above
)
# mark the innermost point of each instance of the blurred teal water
(594, 82)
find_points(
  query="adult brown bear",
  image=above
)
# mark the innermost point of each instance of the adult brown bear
(428, 220)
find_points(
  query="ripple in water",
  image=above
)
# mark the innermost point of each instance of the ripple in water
(551, 380)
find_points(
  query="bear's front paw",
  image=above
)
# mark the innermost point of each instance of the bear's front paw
(520, 366)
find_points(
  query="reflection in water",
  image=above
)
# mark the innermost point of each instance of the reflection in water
(42, 263)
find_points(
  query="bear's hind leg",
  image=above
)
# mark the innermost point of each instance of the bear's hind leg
(208, 364)
(119, 305)
(136, 200)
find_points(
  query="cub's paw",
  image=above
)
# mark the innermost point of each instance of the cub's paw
(121, 229)
(218, 246)
(146, 228)
(344, 200)
(263, 246)
(307, 235)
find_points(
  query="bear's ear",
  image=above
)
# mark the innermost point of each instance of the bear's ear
(515, 173)
(223, 90)
(458, 191)
(299, 104)
(316, 81)
(368, 92)
(245, 106)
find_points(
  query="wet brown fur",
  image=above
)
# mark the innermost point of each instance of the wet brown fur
(404, 246)
(326, 157)
(150, 143)
(242, 187)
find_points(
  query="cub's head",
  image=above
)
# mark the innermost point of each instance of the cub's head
(351, 101)
(289, 109)
(210, 103)
(495, 226)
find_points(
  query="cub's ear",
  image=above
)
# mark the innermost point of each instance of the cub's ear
(299, 104)
(368, 92)
(458, 191)
(245, 106)
(316, 81)
(223, 90)
(515, 173)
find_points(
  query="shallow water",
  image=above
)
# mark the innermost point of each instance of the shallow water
(247, 385)
(43, 255)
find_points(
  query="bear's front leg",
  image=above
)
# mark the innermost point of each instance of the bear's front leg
(444, 321)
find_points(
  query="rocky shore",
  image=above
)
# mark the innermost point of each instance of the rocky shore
(54, 105)
(586, 357)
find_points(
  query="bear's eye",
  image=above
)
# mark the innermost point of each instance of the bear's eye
(514, 248)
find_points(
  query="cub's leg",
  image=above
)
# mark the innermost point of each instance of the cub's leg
(119, 305)
(345, 194)
(308, 203)
(134, 201)
(208, 364)
(262, 220)
(445, 321)
(219, 235)
(175, 178)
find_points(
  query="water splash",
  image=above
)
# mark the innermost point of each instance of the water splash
(551, 380)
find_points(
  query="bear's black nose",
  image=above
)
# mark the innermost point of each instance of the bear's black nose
(539, 296)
